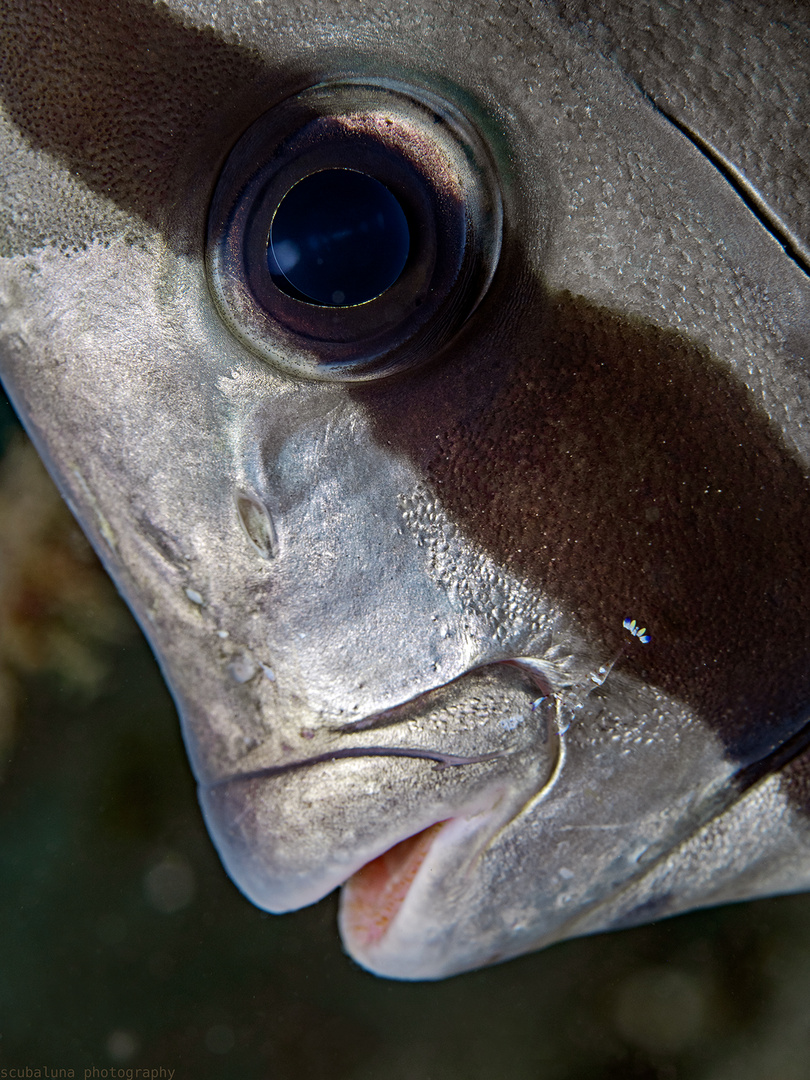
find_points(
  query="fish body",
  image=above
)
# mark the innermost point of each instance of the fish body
(514, 641)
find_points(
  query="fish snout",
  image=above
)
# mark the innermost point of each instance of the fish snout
(288, 833)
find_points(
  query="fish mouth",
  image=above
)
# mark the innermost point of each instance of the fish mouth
(368, 814)
(387, 906)
(283, 859)
(373, 895)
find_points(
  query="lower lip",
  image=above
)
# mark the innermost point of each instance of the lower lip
(374, 894)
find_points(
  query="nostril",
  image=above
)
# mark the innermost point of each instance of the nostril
(257, 524)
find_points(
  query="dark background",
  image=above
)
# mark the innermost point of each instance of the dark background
(124, 945)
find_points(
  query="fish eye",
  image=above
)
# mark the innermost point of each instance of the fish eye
(353, 230)
(338, 238)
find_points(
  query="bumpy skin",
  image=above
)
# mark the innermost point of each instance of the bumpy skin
(621, 429)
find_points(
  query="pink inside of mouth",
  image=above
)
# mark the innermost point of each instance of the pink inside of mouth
(374, 895)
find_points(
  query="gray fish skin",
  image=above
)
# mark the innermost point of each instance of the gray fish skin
(358, 595)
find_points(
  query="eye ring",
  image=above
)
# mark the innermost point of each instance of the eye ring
(437, 168)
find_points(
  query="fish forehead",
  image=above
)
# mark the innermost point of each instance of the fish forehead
(729, 69)
(410, 544)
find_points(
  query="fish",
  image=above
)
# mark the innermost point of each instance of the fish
(486, 596)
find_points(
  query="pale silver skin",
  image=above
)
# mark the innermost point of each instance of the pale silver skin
(618, 798)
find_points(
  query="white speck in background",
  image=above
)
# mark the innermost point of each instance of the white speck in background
(219, 1039)
(121, 1045)
(169, 885)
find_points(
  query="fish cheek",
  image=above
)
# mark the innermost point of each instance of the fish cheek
(625, 471)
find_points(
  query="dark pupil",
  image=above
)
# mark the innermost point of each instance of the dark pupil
(339, 237)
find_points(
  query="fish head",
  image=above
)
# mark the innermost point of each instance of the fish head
(486, 596)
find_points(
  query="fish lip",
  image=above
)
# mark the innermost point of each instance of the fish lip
(411, 853)
(372, 896)
(380, 922)
(441, 758)
(397, 713)
(289, 892)
(276, 851)
(533, 667)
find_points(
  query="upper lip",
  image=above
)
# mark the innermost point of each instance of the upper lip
(406, 713)
(291, 830)
(439, 756)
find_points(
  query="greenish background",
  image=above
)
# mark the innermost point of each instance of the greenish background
(123, 944)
